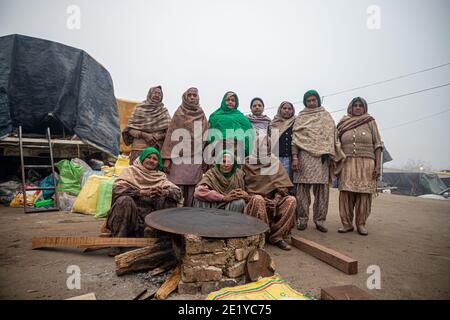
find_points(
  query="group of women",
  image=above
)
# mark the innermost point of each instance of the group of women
(262, 185)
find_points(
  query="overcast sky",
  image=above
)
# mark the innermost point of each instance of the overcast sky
(276, 50)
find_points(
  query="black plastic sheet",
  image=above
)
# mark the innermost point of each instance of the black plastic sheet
(48, 84)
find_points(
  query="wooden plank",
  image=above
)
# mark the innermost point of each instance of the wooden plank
(169, 285)
(348, 292)
(330, 256)
(89, 242)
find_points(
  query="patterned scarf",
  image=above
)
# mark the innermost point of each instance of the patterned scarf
(350, 121)
(148, 116)
(186, 115)
(280, 123)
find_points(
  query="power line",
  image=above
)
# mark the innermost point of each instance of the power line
(400, 96)
(387, 80)
(375, 83)
(417, 120)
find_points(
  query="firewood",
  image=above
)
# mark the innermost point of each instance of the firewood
(144, 259)
(169, 285)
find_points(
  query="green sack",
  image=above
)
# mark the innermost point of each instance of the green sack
(104, 198)
(69, 177)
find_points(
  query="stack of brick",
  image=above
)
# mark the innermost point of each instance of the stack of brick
(211, 264)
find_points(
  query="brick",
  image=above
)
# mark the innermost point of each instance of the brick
(196, 274)
(236, 270)
(208, 287)
(209, 259)
(242, 253)
(237, 243)
(196, 245)
(189, 288)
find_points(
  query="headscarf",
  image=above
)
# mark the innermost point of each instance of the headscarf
(186, 115)
(148, 116)
(219, 158)
(261, 122)
(280, 123)
(220, 182)
(314, 131)
(148, 151)
(228, 118)
(312, 93)
(350, 121)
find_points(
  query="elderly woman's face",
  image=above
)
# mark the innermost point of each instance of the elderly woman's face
(257, 108)
(311, 102)
(156, 95)
(287, 111)
(358, 108)
(227, 164)
(192, 96)
(231, 102)
(151, 162)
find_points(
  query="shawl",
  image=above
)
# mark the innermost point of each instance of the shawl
(214, 179)
(137, 176)
(225, 118)
(281, 124)
(261, 182)
(350, 122)
(147, 116)
(184, 118)
(259, 122)
(314, 131)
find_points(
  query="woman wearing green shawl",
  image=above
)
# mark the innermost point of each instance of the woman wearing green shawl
(139, 190)
(228, 118)
(222, 186)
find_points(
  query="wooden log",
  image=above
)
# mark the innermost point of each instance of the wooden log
(144, 259)
(169, 285)
(330, 256)
(89, 242)
(349, 292)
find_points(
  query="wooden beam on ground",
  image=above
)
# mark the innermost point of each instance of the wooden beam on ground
(89, 242)
(349, 292)
(330, 256)
(143, 259)
(169, 285)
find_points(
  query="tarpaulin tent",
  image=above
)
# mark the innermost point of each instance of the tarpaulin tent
(48, 84)
(414, 183)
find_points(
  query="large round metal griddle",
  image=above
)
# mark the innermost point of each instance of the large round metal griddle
(208, 223)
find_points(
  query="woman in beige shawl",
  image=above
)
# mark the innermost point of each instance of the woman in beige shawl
(315, 149)
(148, 124)
(222, 186)
(361, 142)
(139, 190)
(185, 168)
(267, 184)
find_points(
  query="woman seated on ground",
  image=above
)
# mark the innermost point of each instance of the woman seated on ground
(139, 190)
(222, 186)
(267, 184)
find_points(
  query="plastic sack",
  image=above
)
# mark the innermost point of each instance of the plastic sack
(108, 171)
(121, 163)
(270, 288)
(46, 183)
(69, 177)
(8, 191)
(31, 196)
(65, 201)
(104, 198)
(89, 173)
(86, 202)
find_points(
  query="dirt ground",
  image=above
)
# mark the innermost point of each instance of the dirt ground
(409, 240)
